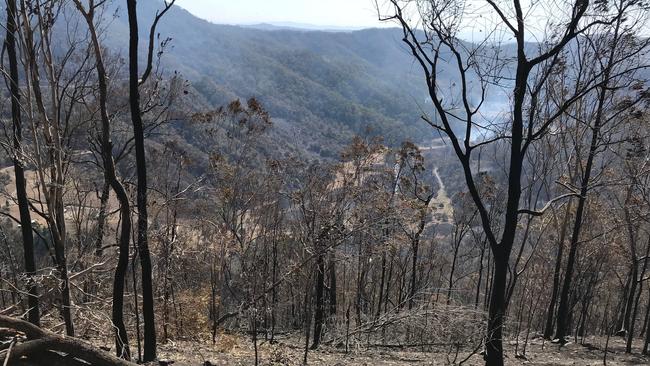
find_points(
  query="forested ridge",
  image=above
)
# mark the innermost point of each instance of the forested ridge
(177, 191)
(321, 87)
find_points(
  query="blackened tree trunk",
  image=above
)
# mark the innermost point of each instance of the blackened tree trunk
(550, 312)
(456, 247)
(494, 344)
(62, 267)
(21, 185)
(564, 306)
(415, 244)
(645, 320)
(634, 296)
(480, 275)
(52, 163)
(101, 217)
(381, 282)
(141, 168)
(332, 289)
(274, 293)
(414, 267)
(121, 336)
(110, 177)
(603, 92)
(522, 132)
(501, 251)
(630, 336)
(624, 296)
(646, 341)
(629, 303)
(319, 313)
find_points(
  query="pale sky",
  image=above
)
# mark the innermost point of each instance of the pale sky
(343, 13)
(340, 13)
(479, 18)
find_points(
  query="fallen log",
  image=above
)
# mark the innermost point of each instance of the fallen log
(41, 341)
(49, 358)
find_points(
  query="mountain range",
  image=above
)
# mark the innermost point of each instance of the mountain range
(320, 87)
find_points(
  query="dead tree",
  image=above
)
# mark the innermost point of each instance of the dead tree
(616, 53)
(18, 161)
(110, 176)
(135, 80)
(56, 82)
(457, 106)
(45, 347)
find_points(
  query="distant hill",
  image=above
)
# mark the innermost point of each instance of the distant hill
(300, 27)
(320, 87)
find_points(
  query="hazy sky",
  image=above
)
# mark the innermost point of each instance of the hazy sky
(345, 13)
(340, 13)
(479, 19)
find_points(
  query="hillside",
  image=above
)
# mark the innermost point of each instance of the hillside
(320, 87)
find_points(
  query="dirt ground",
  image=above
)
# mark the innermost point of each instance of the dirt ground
(233, 350)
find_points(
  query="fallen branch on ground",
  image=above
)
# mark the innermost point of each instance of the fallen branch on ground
(41, 341)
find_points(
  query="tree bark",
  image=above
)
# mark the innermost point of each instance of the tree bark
(550, 312)
(19, 172)
(141, 168)
(563, 308)
(646, 341)
(319, 314)
(630, 335)
(332, 289)
(101, 218)
(110, 177)
(494, 341)
(43, 340)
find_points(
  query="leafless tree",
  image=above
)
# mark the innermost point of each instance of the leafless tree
(458, 107)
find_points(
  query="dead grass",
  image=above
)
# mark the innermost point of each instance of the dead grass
(238, 350)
